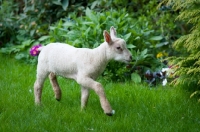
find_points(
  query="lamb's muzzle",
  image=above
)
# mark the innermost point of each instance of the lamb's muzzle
(81, 64)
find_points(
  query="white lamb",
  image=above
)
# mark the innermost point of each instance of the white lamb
(81, 64)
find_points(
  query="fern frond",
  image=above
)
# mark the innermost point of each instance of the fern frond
(193, 71)
(190, 16)
(183, 4)
(191, 42)
(197, 63)
(197, 26)
(189, 45)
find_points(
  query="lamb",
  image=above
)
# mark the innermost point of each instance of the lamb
(81, 64)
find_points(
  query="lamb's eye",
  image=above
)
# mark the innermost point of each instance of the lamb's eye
(118, 48)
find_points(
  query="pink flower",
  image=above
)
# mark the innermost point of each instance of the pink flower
(34, 50)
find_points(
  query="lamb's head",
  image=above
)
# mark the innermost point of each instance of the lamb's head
(117, 46)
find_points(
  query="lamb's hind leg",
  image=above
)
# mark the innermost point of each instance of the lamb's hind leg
(84, 97)
(55, 86)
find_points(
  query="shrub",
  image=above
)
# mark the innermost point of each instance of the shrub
(7, 22)
(188, 45)
(86, 31)
(23, 22)
(148, 31)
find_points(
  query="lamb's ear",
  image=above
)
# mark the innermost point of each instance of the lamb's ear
(113, 32)
(107, 37)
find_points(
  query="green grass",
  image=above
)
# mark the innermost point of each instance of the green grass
(138, 108)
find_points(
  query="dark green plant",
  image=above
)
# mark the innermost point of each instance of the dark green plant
(144, 27)
(188, 45)
(8, 26)
(22, 22)
(151, 19)
(86, 31)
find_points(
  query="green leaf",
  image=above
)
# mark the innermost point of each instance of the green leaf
(137, 38)
(130, 46)
(91, 15)
(87, 23)
(20, 56)
(147, 43)
(69, 24)
(156, 38)
(144, 52)
(88, 30)
(32, 32)
(127, 36)
(27, 42)
(44, 38)
(5, 50)
(147, 33)
(65, 4)
(94, 4)
(161, 44)
(52, 28)
(136, 78)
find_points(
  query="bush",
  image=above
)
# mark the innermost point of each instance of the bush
(149, 31)
(7, 25)
(188, 45)
(23, 22)
(86, 31)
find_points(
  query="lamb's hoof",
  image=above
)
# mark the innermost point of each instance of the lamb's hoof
(110, 114)
(38, 103)
(58, 99)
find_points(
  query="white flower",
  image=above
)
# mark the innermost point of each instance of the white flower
(164, 82)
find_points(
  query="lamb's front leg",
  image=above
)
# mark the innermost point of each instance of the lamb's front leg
(38, 92)
(84, 97)
(97, 87)
(38, 87)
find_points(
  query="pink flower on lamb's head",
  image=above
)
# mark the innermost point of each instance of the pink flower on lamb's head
(34, 51)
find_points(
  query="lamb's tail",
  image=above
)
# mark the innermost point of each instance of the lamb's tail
(35, 50)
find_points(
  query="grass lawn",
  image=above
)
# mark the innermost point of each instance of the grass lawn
(138, 108)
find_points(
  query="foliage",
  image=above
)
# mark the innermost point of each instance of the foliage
(196, 93)
(86, 31)
(148, 30)
(7, 19)
(188, 45)
(22, 22)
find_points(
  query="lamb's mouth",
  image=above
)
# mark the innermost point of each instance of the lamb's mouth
(127, 61)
